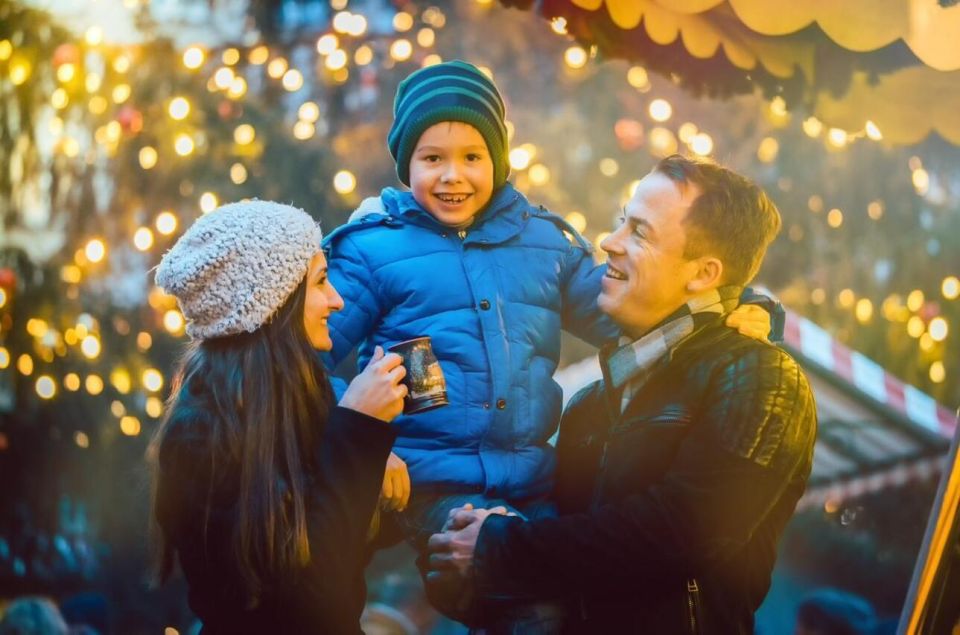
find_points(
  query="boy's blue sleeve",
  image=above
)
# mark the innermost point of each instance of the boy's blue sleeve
(581, 286)
(355, 281)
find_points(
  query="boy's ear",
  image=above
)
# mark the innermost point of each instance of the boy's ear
(708, 275)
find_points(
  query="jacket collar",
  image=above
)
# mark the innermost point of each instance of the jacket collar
(504, 217)
(638, 358)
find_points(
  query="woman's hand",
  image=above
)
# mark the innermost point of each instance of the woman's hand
(751, 320)
(377, 391)
(396, 485)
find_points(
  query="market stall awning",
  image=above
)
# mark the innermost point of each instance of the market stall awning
(893, 62)
(874, 431)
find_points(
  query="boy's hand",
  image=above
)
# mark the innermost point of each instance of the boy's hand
(377, 391)
(395, 492)
(751, 320)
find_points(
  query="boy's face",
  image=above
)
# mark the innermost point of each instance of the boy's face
(451, 172)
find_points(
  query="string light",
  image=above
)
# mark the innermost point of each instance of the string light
(660, 110)
(336, 60)
(303, 130)
(81, 439)
(152, 379)
(938, 329)
(120, 379)
(344, 182)
(130, 426)
(179, 108)
(575, 57)
(148, 157)
(702, 144)
(4, 358)
(937, 372)
(258, 55)
(244, 134)
(45, 387)
(292, 80)
(401, 50)
(193, 57)
(183, 145)
(95, 251)
(173, 321)
(90, 347)
(520, 158)
(143, 239)
(915, 300)
(539, 174)
(363, 55)
(402, 22)
(93, 384)
(166, 223)
(230, 56)
(327, 44)
(25, 364)
(208, 202)
(153, 407)
(238, 173)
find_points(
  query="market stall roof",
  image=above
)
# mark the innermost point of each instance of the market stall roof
(895, 63)
(874, 431)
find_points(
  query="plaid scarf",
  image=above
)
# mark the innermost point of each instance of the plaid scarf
(628, 367)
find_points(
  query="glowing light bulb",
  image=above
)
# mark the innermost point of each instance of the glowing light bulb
(95, 250)
(575, 57)
(179, 108)
(152, 379)
(166, 223)
(660, 110)
(344, 182)
(193, 57)
(143, 239)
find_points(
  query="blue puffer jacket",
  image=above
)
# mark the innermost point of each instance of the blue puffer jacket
(493, 299)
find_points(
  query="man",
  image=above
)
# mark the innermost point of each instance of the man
(679, 470)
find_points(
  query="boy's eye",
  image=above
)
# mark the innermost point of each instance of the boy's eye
(432, 158)
(473, 157)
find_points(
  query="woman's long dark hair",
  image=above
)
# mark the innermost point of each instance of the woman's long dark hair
(271, 396)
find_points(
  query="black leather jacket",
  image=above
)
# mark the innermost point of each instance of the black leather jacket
(671, 512)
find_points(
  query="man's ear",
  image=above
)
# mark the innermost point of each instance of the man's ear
(709, 275)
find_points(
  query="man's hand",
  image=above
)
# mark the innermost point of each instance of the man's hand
(395, 492)
(751, 320)
(452, 550)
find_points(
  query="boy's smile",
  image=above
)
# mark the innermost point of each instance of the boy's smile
(451, 172)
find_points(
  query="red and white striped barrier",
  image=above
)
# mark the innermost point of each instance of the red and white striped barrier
(819, 348)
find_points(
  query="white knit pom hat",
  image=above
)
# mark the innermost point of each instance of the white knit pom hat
(236, 266)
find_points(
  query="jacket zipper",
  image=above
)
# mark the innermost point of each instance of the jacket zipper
(693, 605)
(462, 234)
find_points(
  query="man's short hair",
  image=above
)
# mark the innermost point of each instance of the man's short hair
(733, 217)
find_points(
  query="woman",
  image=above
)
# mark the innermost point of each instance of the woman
(264, 487)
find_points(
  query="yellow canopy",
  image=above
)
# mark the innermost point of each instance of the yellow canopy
(893, 62)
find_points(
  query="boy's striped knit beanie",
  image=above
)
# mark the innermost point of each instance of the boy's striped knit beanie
(450, 91)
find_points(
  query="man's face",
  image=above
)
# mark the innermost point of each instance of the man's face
(647, 275)
(451, 172)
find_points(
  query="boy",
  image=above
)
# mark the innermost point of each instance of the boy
(464, 258)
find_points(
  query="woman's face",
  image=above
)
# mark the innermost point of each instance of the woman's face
(321, 300)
